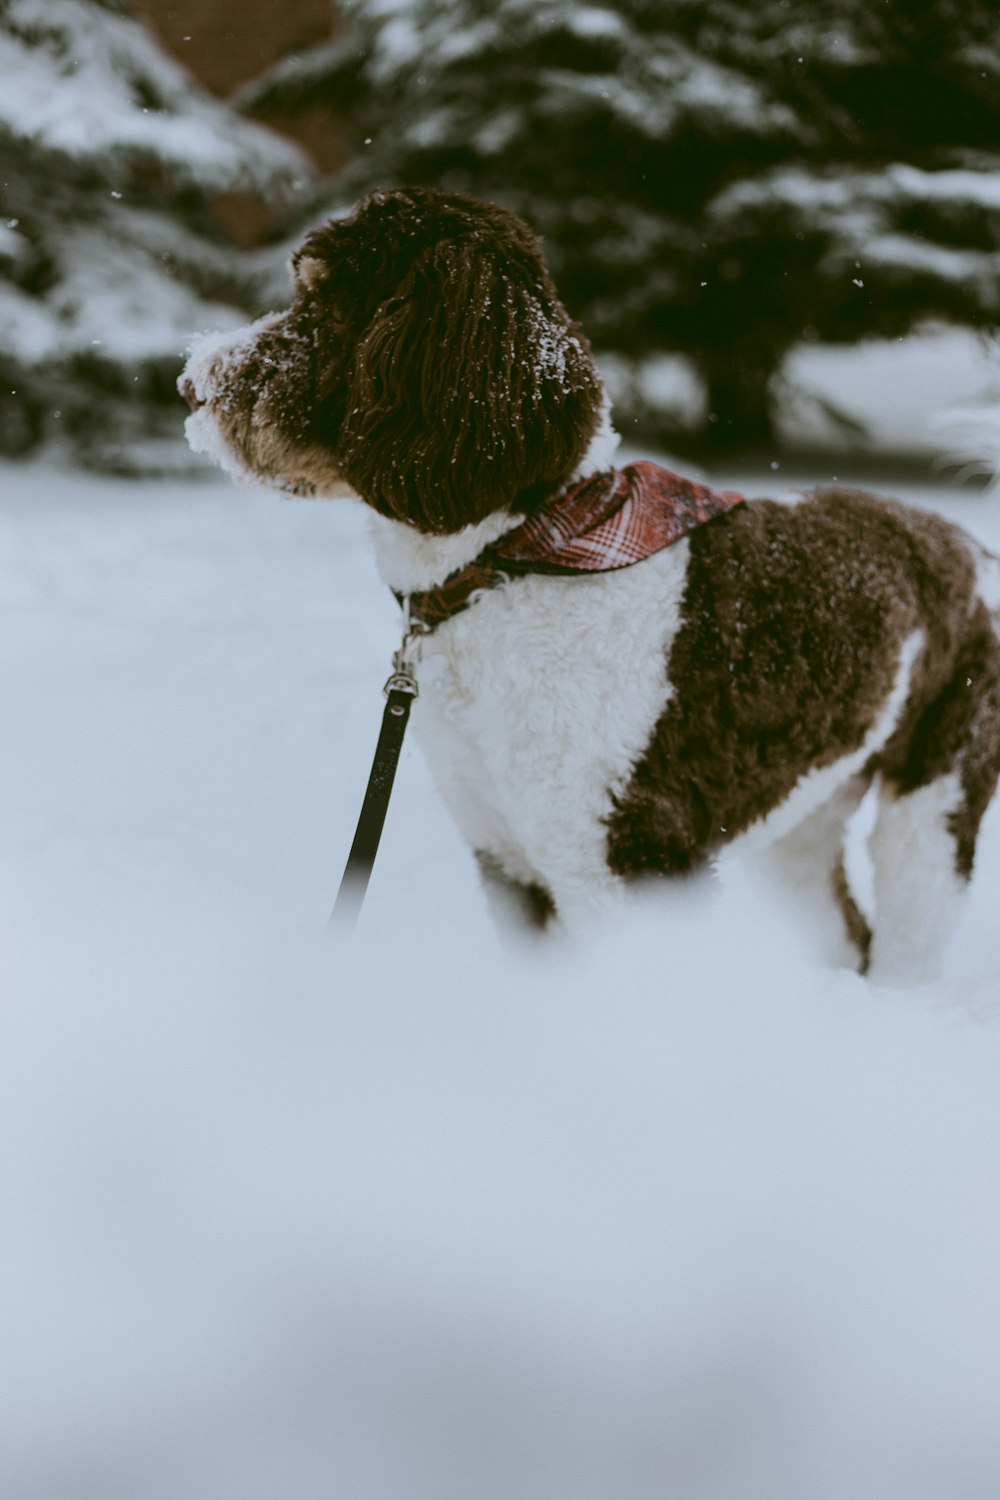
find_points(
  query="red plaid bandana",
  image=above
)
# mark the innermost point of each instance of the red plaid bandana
(609, 521)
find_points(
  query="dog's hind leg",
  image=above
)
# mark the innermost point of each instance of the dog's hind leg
(808, 873)
(933, 791)
(918, 885)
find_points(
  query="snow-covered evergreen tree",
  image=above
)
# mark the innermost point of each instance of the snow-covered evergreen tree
(110, 156)
(720, 179)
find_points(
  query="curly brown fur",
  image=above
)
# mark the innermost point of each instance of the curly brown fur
(426, 359)
(793, 623)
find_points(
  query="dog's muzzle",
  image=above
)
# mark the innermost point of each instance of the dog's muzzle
(187, 390)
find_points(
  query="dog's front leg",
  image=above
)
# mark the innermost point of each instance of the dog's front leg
(570, 904)
(582, 902)
(515, 905)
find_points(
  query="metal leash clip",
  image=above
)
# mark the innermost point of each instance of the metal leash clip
(400, 691)
(404, 661)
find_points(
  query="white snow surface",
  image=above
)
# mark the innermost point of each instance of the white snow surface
(935, 392)
(676, 1213)
(80, 79)
(650, 88)
(114, 297)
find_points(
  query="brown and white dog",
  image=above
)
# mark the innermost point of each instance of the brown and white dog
(742, 687)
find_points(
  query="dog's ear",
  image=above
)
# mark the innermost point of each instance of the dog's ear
(470, 389)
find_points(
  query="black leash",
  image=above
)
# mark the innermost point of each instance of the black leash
(400, 692)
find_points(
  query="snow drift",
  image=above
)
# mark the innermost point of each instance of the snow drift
(677, 1213)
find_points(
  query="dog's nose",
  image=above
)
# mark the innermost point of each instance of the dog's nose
(187, 390)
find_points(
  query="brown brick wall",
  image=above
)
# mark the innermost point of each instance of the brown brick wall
(225, 43)
(228, 42)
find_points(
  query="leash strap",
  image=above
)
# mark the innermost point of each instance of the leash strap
(400, 692)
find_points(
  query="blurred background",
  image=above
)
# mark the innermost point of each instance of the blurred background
(778, 224)
(677, 1215)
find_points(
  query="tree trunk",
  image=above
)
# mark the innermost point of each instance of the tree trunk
(740, 415)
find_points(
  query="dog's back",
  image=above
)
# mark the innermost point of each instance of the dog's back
(796, 623)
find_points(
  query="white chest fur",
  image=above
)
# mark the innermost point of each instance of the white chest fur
(535, 704)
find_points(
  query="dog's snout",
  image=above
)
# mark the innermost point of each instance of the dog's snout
(187, 390)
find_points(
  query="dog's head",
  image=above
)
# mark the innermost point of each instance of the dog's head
(426, 360)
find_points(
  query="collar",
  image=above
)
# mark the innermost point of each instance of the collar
(606, 522)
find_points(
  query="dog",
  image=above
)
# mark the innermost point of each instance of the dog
(742, 688)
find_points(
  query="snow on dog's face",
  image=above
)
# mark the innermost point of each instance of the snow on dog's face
(426, 361)
(249, 398)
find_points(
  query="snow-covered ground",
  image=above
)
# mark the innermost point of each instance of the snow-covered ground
(677, 1215)
(936, 391)
(930, 396)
